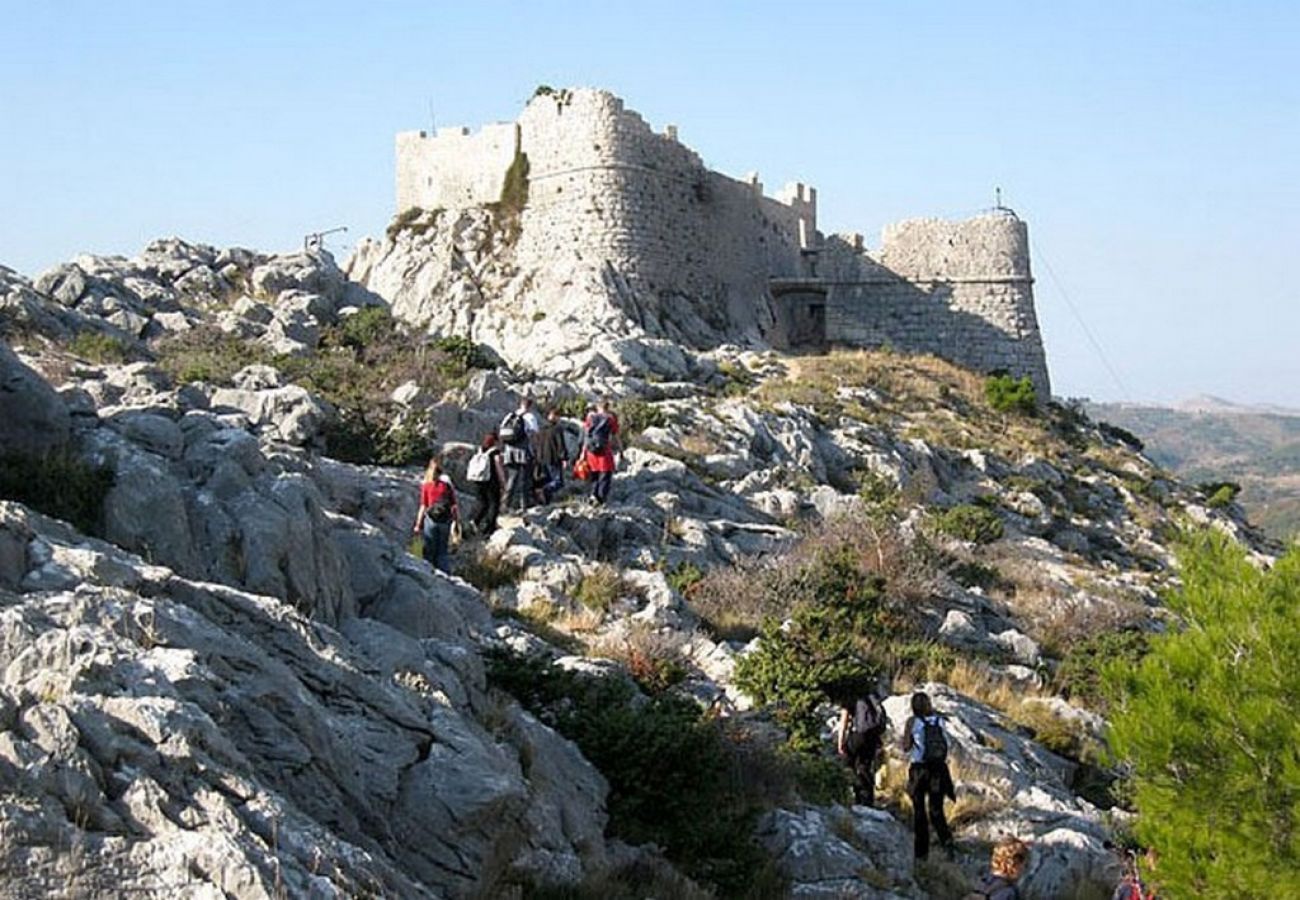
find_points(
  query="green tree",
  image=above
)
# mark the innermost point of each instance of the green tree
(1208, 722)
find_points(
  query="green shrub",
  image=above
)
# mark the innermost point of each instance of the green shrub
(1008, 394)
(59, 485)
(1079, 675)
(208, 354)
(100, 348)
(877, 490)
(969, 522)
(684, 576)
(826, 641)
(1122, 435)
(669, 770)
(460, 355)
(1207, 722)
(1219, 494)
(366, 328)
(635, 416)
(975, 574)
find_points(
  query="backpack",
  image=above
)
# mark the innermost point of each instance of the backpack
(936, 742)
(867, 716)
(599, 432)
(440, 509)
(479, 469)
(512, 430)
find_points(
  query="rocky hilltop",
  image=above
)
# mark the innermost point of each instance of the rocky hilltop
(224, 675)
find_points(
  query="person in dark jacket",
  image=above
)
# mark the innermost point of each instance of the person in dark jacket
(928, 778)
(858, 738)
(552, 455)
(489, 492)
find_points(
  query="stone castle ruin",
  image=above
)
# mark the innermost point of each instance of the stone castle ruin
(699, 257)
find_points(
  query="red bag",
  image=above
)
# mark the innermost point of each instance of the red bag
(581, 468)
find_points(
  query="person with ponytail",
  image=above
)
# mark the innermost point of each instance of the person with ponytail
(439, 509)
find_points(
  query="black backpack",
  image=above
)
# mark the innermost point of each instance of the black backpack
(512, 430)
(440, 510)
(936, 742)
(599, 432)
(868, 717)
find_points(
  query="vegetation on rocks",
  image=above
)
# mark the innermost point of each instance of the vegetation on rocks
(1006, 393)
(969, 522)
(667, 766)
(99, 348)
(58, 484)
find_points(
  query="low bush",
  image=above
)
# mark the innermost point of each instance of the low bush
(208, 354)
(99, 348)
(59, 485)
(1219, 494)
(969, 522)
(670, 772)
(1079, 675)
(684, 576)
(635, 416)
(599, 588)
(1122, 435)
(1008, 394)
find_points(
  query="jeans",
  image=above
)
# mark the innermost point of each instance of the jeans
(601, 484)
(437, 543)
(519, 486)
(489, 506)
(552, 480)
(925, 785)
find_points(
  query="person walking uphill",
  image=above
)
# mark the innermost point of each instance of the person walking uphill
(552, 455)
(600, 441)
(439, 509)
(488, 476)
(928, 778)
(518, 437)
(858, 738)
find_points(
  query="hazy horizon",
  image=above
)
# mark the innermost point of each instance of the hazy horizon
(1151, 149)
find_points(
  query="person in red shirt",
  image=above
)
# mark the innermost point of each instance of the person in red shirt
(439, 508)
(600, 441)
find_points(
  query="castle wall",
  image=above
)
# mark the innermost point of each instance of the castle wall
(694, 255)
(680, 242)
(455, 168)
(959, 290)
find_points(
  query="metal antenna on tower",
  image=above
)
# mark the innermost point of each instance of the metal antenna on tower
(433, 126)
(997, 194)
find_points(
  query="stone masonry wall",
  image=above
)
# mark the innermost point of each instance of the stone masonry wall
(959, 290)
(455, 168)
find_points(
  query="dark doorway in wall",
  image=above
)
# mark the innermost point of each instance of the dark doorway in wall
(801, 317)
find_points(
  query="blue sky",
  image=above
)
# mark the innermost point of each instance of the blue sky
(1152, 146)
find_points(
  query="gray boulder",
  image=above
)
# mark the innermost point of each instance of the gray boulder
(33, 418)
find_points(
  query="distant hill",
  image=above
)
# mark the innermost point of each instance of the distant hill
(1210, 439)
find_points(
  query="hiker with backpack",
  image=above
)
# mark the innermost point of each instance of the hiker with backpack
(1132, 887)
(928, 778)
(517, 435)
(439, 511)
(552, 455)
(488, 476)
(600, 441)
(858, 738)
(1007, 864)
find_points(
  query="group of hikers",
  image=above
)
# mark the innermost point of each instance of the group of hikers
(519, 464)
(522, 462)
(859, 739)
